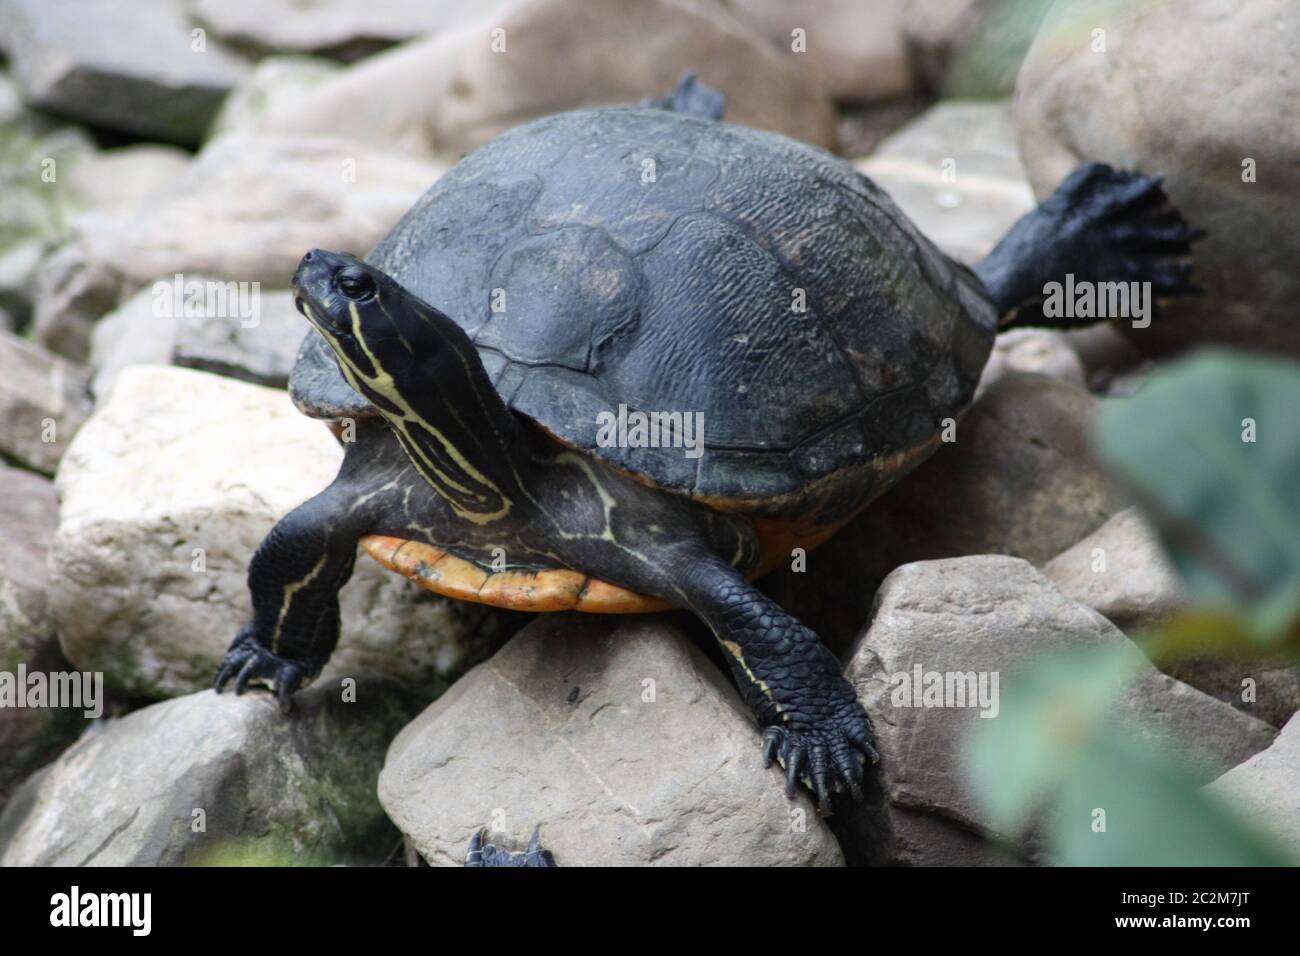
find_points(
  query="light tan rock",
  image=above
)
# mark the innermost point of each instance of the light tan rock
(456, 90)
(856, 50)
(617, 736)
(1267, 788)
(955, 172)
(1197, 90)
(166, 493)
(1120, 571)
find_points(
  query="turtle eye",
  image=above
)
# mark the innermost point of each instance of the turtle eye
(355, 285)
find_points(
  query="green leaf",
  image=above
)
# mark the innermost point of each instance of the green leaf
(1227, 507)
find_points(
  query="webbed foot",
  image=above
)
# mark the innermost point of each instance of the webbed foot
(250, 662)
(489, 855)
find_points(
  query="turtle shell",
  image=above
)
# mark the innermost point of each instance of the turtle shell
(659, 263)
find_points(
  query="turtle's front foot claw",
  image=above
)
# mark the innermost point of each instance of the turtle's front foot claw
(248, 661)
(481, 854)
(828, 755)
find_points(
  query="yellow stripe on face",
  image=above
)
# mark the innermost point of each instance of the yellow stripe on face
(470, 501)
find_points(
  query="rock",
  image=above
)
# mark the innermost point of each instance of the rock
(1120, 571)
(37, 160)
(166, 493)
(245, 210)
(130, 65)
(1266, 687)
(991, 615)
(340, 28)
(42, 403)
(256, 343)
(214, 780)
(29, 515)
(1266, 788)
(125, 176)
(260, 349)
(937, 32)
(618, 736)
(1018, 480)
(453, 92)
(1202, 121)
(856, 50)
(955, 172)
(1036, 351)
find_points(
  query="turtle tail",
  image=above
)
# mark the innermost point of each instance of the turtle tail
(691, 97)
(1106, 244)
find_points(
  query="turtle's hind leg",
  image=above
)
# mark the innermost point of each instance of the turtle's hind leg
(1100, 226)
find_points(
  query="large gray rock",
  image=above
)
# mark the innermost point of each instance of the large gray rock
(1121, 571)
(342, 28)
(256, 342)
(1198, 119)
(954, 170)
(1267, 687)
(130, 65)
(619, 737)
(1018, 480)
(43, 401)
(992, 615)
(454, 91)
(245, 210)
(1267, 788)
(208, 779)
(166, 493)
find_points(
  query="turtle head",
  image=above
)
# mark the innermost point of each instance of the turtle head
(372, 323)
(423, 374)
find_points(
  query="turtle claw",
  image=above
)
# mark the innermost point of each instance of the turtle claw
(827, 756)
(485, 854)
(248, 661)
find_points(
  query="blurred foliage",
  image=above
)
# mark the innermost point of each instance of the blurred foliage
(986, 66)
(1211, 447)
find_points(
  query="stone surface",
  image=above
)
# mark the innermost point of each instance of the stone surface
(341, 28)
(1036, 351)
(452, 92)
(29, 515)
(989, 615)
(1018, 480)
(42, 403)
(245, 210)
(858, 51)
(129, 65)
(1266, 788)
(271, 789)
(1265, 687)
(255, 344)
(1172, 109)
(619, 737)
(1120, 570)
(261, 352)
(955, 172)
(179, 466)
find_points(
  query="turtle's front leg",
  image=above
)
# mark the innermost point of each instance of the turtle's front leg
(297, 572)
(814, 724)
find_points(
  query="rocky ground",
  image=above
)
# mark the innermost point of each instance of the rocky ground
(144, 457)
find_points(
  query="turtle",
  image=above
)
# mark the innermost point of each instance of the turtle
(627, 358)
